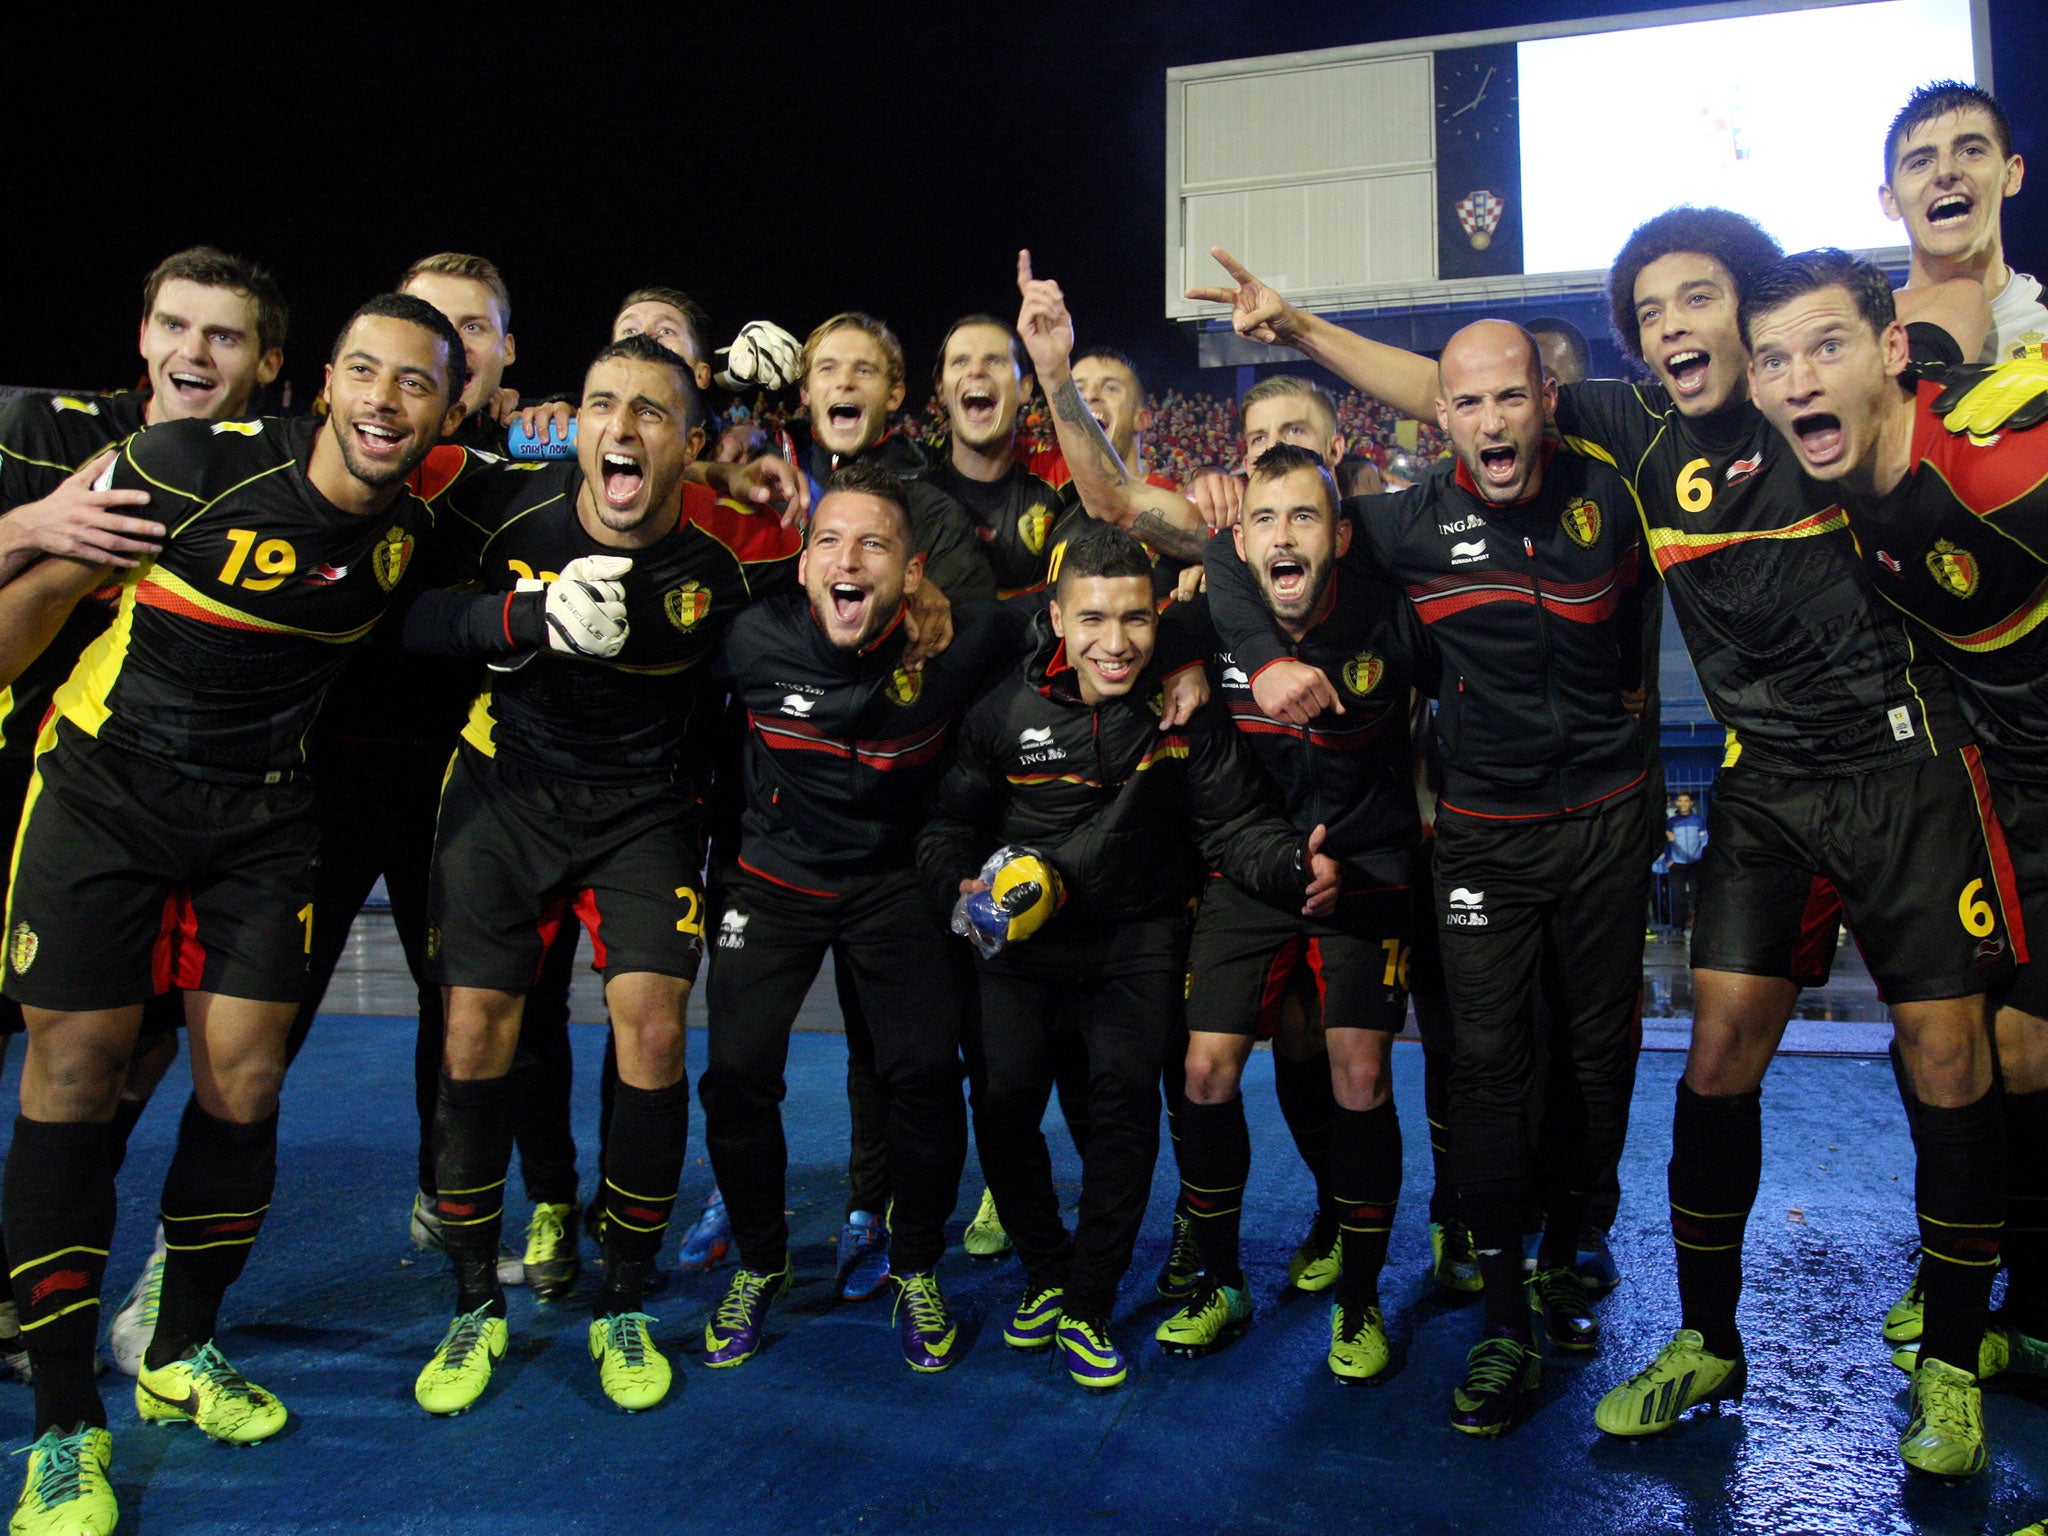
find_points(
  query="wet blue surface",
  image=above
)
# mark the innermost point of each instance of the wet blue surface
(827, 1431)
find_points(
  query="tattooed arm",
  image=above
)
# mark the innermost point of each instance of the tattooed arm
(1164, 519)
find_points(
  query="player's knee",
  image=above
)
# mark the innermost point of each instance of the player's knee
(1360, 1085)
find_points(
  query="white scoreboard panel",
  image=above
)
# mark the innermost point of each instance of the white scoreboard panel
(1511, 164)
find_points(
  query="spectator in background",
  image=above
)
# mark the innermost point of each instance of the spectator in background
(1359, 476)
(1566, 356)
(1685, 837)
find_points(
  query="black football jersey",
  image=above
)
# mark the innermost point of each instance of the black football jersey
(1809, 673)
(44, 440)
(223, 645)
(622, 720)
(1020, 519)
(1961, 546)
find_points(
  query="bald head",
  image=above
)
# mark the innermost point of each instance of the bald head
(1495, 404)
(1491, 346)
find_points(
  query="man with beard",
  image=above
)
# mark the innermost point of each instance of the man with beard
(168, 781)
(1351, 770)
(1815, 680)
(1521, 564)
(842, 752)
(607, 582)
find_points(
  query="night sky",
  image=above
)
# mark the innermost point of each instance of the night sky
(782, 164)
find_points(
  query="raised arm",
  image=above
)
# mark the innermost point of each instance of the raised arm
(1405, 380)
(1164, 519)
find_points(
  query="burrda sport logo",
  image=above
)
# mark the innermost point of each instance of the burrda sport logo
(1465, 908)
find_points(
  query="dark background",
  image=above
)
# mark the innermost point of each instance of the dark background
(778, 162)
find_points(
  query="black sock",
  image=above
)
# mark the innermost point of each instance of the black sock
(58, 1202)
(2025, 1245)
(1365, 1178)
(1960, 1191)
(126, 1113)
(1499, 1252)
(1215, 1162)
(1307, 1104)
(1717, 1155)
(472, 1153)
(214, 1201)
(1562, 1223)
(643, 1167)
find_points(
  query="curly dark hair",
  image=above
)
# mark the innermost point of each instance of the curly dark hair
(1735, 240)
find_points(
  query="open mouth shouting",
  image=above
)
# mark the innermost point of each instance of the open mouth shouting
(978, 408)
(844, 416)
(1287, 579)
(1498, 464)
(624, 478)
(1687, 371)
(1950, 211)
(1821, 442)
(849, 603)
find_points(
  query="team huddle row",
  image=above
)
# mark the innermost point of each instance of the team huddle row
(987, 729)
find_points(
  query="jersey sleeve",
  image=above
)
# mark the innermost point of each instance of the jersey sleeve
(1237, 829)
(767, 552)
(167, 462)
(1607, 419)
(1242, 625)
(33, 457)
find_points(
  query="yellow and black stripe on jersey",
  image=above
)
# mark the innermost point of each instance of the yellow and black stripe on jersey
(223, 645)
(44, 440)
(622, 720)
(1809, 673)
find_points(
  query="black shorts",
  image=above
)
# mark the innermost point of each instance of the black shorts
(516, 852)
(1245, 952)
(2023, 812)
(1915, 853)
(131, 878)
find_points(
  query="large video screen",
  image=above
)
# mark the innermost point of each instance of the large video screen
(1782, 116)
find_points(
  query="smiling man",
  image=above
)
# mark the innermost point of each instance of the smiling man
(607, 581)
(1061, 774)
(1949, 167)
(170, 780)
(842, 753)
(1955, 531)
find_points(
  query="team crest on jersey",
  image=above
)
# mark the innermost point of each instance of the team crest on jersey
(239, 428)
(1362, 673)
(21, 950)
(687, 605)
(1581, 521)
(1034, 525)
(904, 686)
(433, 941)
(390, 558)
(1157, 703)
(1954, 570)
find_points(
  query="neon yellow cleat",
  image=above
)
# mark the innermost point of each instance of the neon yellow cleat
(1451, 1262)
(1319, 1260)
(1682, 1377)
(552, 1263)
(1903, 1322)
(1358, 1343)
(1214, 1316)
(204, 1390)
(1500, 1376)
(985, 1237)
(67, 1492)
(1946, 1437)
(461, 1368)
(633, 1373)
